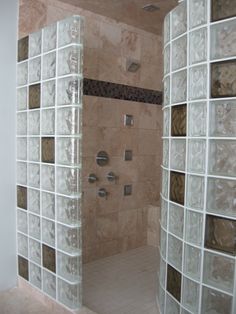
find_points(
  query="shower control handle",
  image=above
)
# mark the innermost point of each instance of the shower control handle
(92, 178)
(102, 193)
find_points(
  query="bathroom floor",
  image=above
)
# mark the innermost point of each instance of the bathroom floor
(123, 283)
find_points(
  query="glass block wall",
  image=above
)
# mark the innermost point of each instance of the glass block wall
(49, 104)
(198, 211)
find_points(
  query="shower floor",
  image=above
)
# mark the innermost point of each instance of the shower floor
(123, 283)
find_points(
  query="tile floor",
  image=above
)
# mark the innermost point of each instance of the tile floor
(123, 283)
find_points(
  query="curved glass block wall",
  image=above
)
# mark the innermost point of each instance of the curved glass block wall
(198, 212)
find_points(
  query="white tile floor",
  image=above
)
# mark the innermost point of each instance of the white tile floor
(123, 283)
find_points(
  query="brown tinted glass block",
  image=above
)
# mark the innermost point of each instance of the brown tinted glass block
(23, 267)
(177, 187)
(220, 234)
(223, 79)
(174, 282)
(23, 48)
(49, 258)
(48, 149)
(22, 197)
(222, 9)
(178, 120)
(34, 96)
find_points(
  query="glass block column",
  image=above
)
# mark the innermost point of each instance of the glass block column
(198, 211)
(49, 104)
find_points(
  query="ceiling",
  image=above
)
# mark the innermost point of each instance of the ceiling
(129, 11)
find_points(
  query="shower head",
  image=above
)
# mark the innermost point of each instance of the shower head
(151, 7)
(132, 65)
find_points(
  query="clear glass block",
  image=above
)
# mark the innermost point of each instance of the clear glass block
(179, 87)
(22, 221)
(68, 239)
(196, 155)
(179, 53)
(33, 203)
(48, 232)
(22, 123)
(215, 302)
(162, 272)
(33, 175)
(49, 37)
(198, 46)
(178, 154)
(69, 294)
(69, 267)
(165, 181)
(195, 192)
(163, 243)
(22, 241)
(35, 70)
(68, 151)
(166, 94)
(49, 65)
(172, 307)
(35, 251)
(198, 82)
(48, 94)
(71, 31)
(193, 227)
(165, 153)
(48, 205)
(69, 121)
(69, 90)
(192, 262)
(34, 149)
(175, 252)
(176, 220)
(34, 226)
(35, 43)
(197, 119)
(48, 177)
(223, 9)
(34, 122)
(191, 295)
(22, 148)
(22, 173)
(68, 210)
(22, 98)
(48, 122)
(68, 181)
(70, 60)
(164, 210)
(197, 12)
(35, 275)
(22, 73)
(166, 34)
(167, 60)
(166, 122)
(49, 283)
(179, 20)
(219, 271)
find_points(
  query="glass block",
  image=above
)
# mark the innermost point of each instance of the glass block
(222, 9)
(219, 271)
(49, 65)
(33, 175)
(198, 82)
(163, 243)
(34, 226)
(48, 232)
(35, 70)
(23, 49)
(173, 283)
(166, 122)
(71, 31)
(69, 294)
(48, 205)
(48, 122)
(35, 251)
(68, 151)
(48, 149)
(49, 283)
(22, 148)
(34, 201)
(193, 227)
(22, 221)
(34, 149)
(34, 96)
(69, 267)
(162, 272)
(48, 177)
(22, 242)
(68, 210)
(48, 94)
(69, 121)
(167, 60)
(198, 12)
(22, 197)
(68, 181)
(179, 87)
(179, 20)
(171, 306)
(68, 239)
(23, 267)
(69, 91)
(191, 295)
(179, 53)
(178, 120)
(215, 302)
(161, 299)
(35, 43)
(196, 155)
(220, 234)
(176, 220)
(34, 122)
(198, 46)
(222, 118)
(49, 37)
(22, 73)
(178, 153)
(22, 98)
(164, 210)
(70, 60)
(22, 173)
(166, 93)
(49, 258)
(165, 153)
(192, 262)
(223, 79)
(35, 275)
(177, 187)
(167, 28)
(22, 123)
(197, 119)
(175, 252)
(165, 183)
(195, 192)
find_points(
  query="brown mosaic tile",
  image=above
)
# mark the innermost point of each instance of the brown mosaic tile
(178, 120)
(48, 149)
(34, 96)
(222, 9)
(23, 267)
(174, 282)
(177, 187)
(49, 258)
(22, 197)
(220, 234)
(23, 48)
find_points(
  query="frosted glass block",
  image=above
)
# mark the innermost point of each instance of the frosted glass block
(179, 87)
(22, 98)
(191, 295)
(22, 221)
(49, 65)
(161, 299)
(35, 43)
(34, 226)
(34, 122)
(22, 241)
(48, 205)
(35, 251)
(165, 181)
(167, 29)
(49, 37)
(197, 119)
(34, 149)
(214, 302)
(68, 121)
(22, 73)
(48, 122)
(176, 220)
(164, 210)
(68, 151)
(70, 60)
(35, 275)
(162, 272)
(35, 70)
(69, 91)
(68, 181)
(165, 153)
(68, 239)
(48, 94)
(179, 19)
(48, 177)
(166, 99)
(196, 156)
(198, 82)
(69, 294)
(175, 252)
(193, 228)
(195, 192)
(167, 60)
(48, 232)
(68, 267)
(219, 271)
(68, 210)
(192, 261)
(22, 173)
(171, 306)
(71, 31)
(178, 153)
(163, 243)
(22, 123)
(49, 283)
(198, 12)
(198, 46)
(22, 148)
(166, 122)
(34, 201)
(179, 53)
(33, 175)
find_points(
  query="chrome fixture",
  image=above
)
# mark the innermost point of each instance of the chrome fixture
(102, 193)
(92, 178)
(151, 7)
(111, 176)
(102, 158)
(128, 155)
(132, 65)
(128, 120)
(127, 190)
